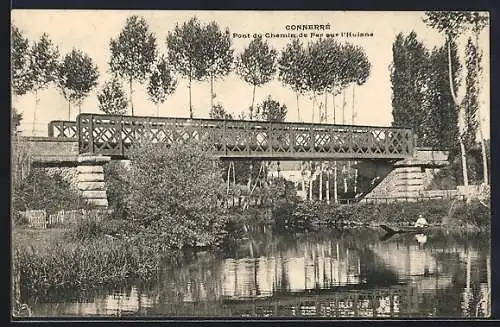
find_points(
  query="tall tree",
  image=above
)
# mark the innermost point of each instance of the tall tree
(470, 101)
(409, 78)
(331, 67)
(43, 67)
(76, 76)
(257, 65)
(440, 126)
(322, 67)
(185, 52)
(354, 68)
(112, 100)
(217, 54)
(452, 23)
(21, 80)
(292, 69)
(133, 53)
(161, 84)
(479, 21)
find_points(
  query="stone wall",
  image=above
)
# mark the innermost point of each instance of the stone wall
(410, 178)
(385, 187)
(68, 174)
(85, 175)
(428, 154)
(51, 147)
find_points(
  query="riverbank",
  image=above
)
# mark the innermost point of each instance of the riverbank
(446, 213)
(47, 260)
(104, 253)
(187, 279)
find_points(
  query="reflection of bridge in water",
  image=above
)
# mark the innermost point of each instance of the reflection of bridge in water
(114, 135)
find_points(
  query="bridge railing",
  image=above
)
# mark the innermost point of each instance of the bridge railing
(63, 128)
(114, 135)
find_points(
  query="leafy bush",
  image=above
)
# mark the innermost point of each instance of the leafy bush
(283, 197)
(175, 192)
(116, 187)
(473, 215)
(41, 191)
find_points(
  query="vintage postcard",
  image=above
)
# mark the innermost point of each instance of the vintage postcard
(250, 164)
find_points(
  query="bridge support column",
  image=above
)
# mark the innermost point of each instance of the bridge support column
(321, 182)
(409, 178)
(90, 179)
(327, 185)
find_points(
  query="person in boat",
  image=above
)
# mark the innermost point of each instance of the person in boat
(421, 222)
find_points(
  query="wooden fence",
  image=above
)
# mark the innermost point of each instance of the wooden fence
(410, 199)
(35, 218)
(40, 219)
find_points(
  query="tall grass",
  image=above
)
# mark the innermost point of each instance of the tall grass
(85, 264)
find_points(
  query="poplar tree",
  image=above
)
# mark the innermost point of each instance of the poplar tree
(133, 53)
(451, 24)
(217, 54)
(161, 84)
(21, 80)
(112, 100)
(43, 68)
(76, 76)
(409, 79)
(478, 22)
(470, 101)
(185, 53)
(256, 65)
(292, 69)
(440, 128)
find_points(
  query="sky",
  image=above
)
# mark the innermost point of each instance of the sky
(92, 30)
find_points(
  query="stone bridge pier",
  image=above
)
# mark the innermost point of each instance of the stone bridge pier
(90, 179)
(409, 178)
(84, 172)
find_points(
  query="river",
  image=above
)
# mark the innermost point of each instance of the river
(332, 274)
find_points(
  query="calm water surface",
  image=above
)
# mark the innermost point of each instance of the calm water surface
(330, 274)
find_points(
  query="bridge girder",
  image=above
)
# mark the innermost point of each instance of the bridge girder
(238, 139)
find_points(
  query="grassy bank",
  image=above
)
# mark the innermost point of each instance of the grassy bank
(437, 212)
(55, 259)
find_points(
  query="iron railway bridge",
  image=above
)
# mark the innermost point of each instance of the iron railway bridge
(237, 139)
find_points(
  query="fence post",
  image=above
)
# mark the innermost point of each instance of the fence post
(51, 129)
(120, 135)
(91, 134)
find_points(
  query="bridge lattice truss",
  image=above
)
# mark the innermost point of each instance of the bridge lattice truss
(114, 136)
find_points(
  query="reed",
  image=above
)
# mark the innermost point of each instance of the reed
(86, 264)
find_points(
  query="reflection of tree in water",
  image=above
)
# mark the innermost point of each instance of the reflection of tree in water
(374, 270)
(266, 268)
(194, 280)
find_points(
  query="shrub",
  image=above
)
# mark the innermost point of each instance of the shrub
(175, 193)
(283, 197)
(40, 191)
(398, 213)
(115, 175)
